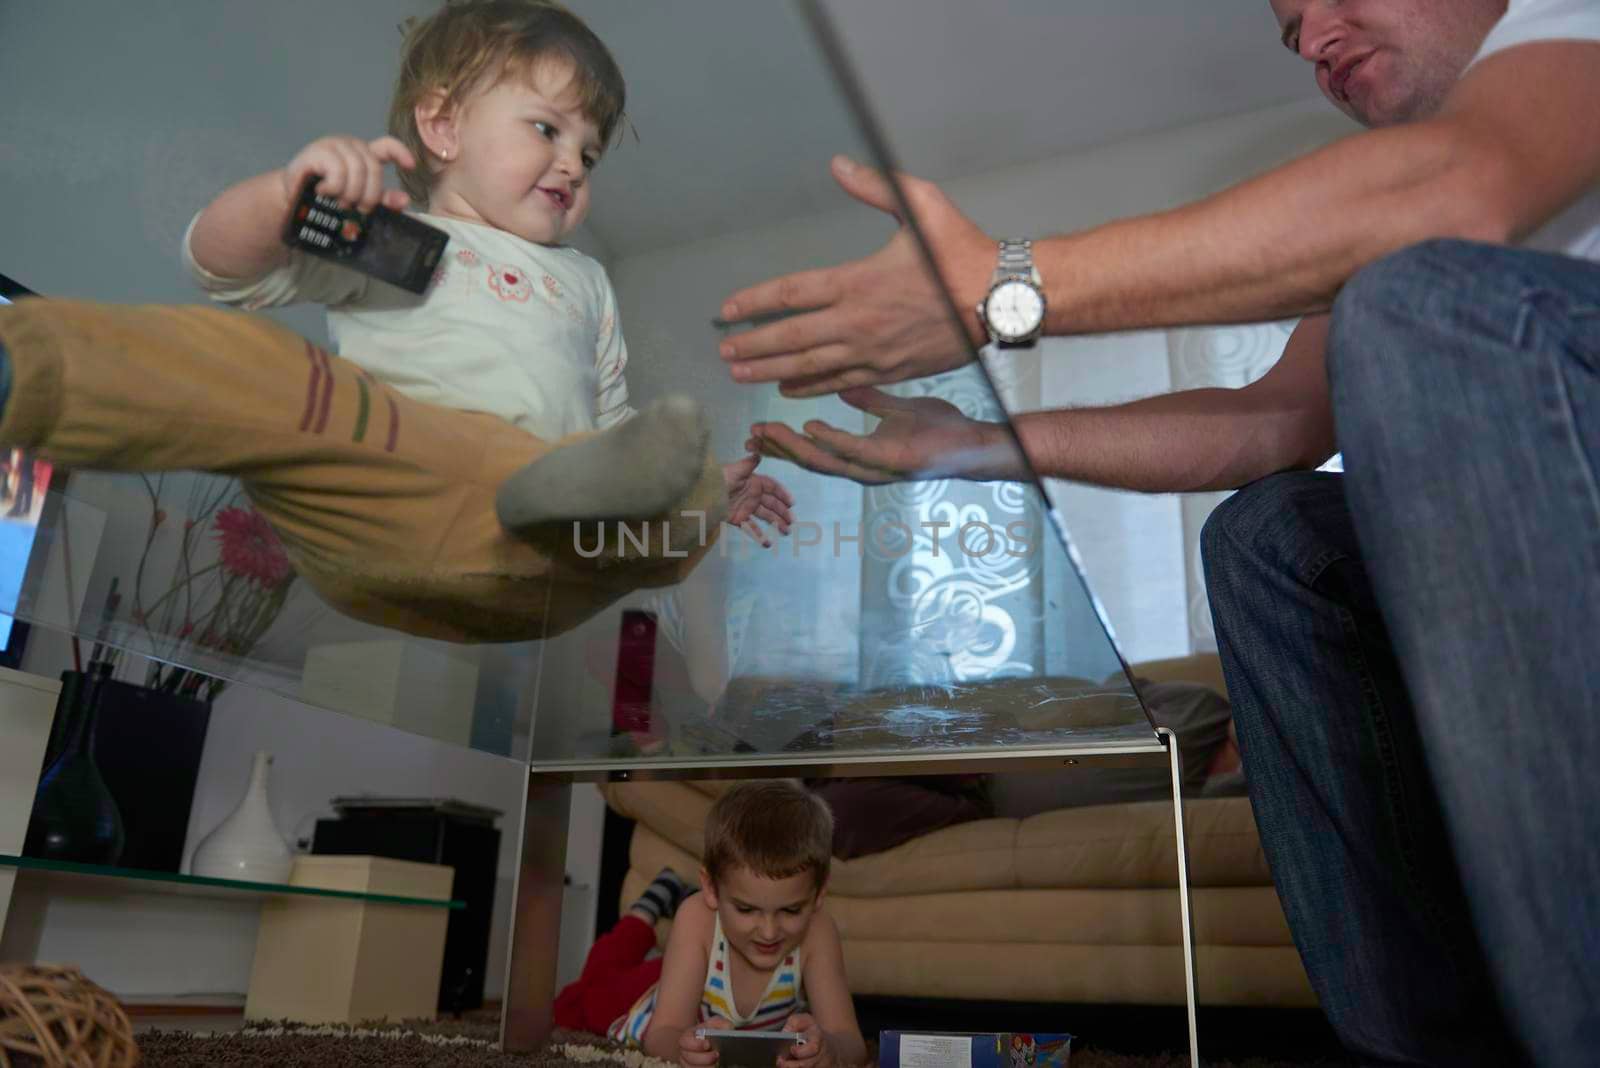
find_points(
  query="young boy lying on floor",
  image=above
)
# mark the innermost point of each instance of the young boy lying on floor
(750, 949)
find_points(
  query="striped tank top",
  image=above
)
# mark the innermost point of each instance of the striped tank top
(783, 996)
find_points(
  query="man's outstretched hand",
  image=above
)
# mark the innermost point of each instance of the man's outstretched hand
(755, 499)
(875, 320)
(916, 438)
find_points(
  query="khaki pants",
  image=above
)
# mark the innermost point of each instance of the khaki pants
(385, 504)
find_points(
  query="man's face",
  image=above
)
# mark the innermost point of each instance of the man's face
(1386, 61)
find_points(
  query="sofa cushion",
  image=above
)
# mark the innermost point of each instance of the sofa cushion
(1223, 915)
(1133, 845)
(1061, 945)
(1097, 846)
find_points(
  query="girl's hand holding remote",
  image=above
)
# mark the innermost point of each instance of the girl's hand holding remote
(351, 170)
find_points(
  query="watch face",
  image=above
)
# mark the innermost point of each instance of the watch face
(1014, 310)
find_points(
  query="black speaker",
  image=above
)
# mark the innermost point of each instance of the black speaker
(448, 832)
(148, 747)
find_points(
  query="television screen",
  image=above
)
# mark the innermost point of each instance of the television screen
(24, 480)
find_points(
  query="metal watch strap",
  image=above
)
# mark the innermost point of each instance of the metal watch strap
(1016, 261)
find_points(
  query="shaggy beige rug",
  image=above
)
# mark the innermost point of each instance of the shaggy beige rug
(469, 1043)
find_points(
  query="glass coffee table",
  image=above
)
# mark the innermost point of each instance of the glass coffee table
(927, 627)
(922, 628)
(814, 727)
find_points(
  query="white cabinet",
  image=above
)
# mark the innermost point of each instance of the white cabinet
(27, 708)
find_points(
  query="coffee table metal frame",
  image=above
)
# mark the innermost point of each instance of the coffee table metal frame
(530, 980)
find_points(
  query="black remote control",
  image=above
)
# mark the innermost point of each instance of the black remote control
(388, 245)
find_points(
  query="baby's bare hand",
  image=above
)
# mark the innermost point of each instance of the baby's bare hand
(699, 1052)
(351, 170)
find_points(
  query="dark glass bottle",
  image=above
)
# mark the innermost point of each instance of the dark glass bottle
(74, 815)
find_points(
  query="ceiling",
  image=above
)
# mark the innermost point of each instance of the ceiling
(736, 112)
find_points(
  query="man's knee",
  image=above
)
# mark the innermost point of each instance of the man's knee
(1279, 524)
(1397, 316)
(1218, 538)
(1235, 527)
(1422, 280)
(1392, 299)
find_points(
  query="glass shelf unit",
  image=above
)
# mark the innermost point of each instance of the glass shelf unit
(69, 873)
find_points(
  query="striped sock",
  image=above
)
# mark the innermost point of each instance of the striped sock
(663, 896)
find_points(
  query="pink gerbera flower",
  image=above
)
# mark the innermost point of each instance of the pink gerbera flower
(250, 547)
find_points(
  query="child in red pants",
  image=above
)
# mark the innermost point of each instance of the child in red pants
(619, 968)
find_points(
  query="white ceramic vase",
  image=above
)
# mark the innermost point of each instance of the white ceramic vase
(247, 844)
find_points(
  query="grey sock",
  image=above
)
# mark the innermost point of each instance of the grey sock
(633, 471)
(663, 896)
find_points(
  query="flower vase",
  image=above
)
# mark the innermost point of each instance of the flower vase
(74, 815)
(246, 845)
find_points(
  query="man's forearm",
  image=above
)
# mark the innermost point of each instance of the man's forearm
(1274, 247)
(1516, 142)
(1201, 439)
(239, 235)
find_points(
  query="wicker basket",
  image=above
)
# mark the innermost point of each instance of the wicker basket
(54, 1016)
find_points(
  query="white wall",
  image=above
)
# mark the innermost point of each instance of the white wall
(167, 105)
(669, 296)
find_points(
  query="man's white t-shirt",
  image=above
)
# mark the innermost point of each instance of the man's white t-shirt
(522, 331)
(1576, 230)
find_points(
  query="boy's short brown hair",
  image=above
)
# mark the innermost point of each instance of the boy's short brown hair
(775, 828)
(472, 45)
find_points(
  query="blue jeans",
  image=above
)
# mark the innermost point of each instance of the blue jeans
(1413, 654)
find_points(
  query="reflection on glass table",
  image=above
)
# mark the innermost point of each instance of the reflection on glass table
(919, 618)
(912, 619)
(175, 582)
(922, 616)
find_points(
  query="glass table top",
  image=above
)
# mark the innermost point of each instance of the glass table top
(907, 621)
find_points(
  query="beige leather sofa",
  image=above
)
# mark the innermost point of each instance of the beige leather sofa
(1075, 905)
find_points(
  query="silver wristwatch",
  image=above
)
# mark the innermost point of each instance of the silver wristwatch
(1013, 310)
